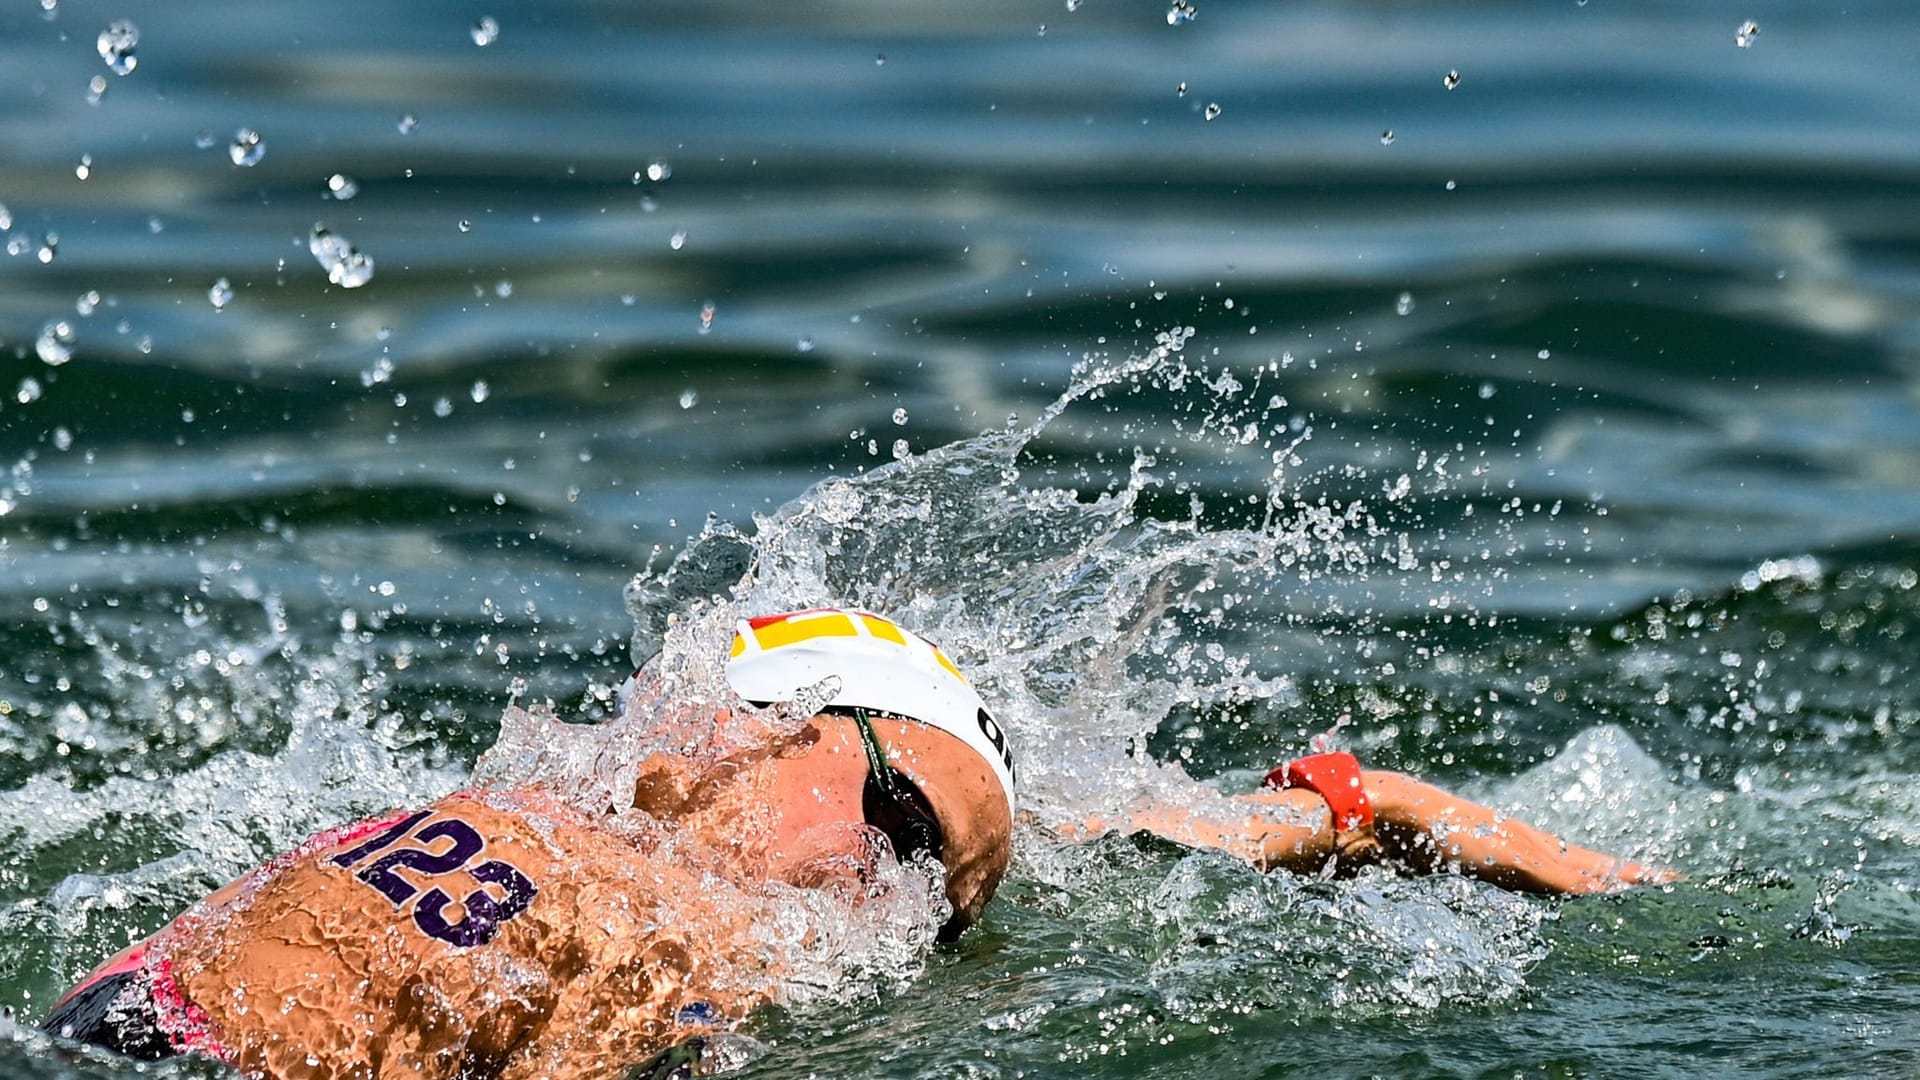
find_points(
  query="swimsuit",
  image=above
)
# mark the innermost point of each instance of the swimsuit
(133, 1007)
(115, 1011)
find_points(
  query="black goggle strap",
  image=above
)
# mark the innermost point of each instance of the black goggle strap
(892, 804)
(880, 771)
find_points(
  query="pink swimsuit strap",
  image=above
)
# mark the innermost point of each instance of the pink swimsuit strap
(187, 1026)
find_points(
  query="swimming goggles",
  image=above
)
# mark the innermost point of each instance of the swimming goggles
(894, 805)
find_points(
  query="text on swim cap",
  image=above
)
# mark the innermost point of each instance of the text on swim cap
(999, 740)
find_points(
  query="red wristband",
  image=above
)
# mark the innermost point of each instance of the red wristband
(1335, 777)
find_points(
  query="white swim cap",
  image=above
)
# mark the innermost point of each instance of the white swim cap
(881, 666)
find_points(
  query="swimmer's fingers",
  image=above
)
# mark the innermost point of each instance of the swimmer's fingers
(1078, 831)
(1074, 831)
(1629, 873)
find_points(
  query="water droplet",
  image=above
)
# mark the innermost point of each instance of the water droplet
(1486, 391)
(706, 317)
(6, 218)
(85, 168)
(96, 89)
(247, 148)
(503, 288)
(804, 345)
(1450, 80)
(486, 31)
(344, 264)
(49, 247)
(1181, 90)
(465, 225)
(88, 303)
(62, 438)
(1404, 305)
(1744, 36)
(900, 450)
(27, 394)
(880, 60)
(443, 407)
(1212, 111)
(220, 295)
(1074, 5)
(658, 171)
(1386, 137)
(116, 44)
(678, 240)
(688, 398)
(55, 344)
(1544, 354)
(156, 226)
(1181, 13)
(49, 8)
(628, 299)
(480, 391)
(406, 124)
(1451, 185)
(204, 141)
(342, 187)
(900, 416)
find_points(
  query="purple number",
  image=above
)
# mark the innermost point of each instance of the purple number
(466, 844)
(395, 832)
(484, 913)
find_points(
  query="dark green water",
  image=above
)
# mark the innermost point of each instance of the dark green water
(1616, 347)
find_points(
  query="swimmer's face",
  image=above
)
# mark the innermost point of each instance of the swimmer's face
(967, 803)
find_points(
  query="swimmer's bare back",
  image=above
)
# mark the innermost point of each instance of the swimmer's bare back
(486, 935)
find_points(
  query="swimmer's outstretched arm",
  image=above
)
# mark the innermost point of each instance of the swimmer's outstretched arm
(1431, 830)
(1418, 825)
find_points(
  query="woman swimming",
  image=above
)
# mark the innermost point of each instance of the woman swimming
(513, 933)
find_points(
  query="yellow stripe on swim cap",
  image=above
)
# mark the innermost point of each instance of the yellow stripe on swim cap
(946, 663)
(804, 627)
(881, 628)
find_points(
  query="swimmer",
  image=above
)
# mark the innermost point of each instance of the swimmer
(511, 934)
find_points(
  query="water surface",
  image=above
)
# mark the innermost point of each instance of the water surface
(1613, 346)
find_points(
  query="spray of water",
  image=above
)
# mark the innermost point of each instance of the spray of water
(1090, 593)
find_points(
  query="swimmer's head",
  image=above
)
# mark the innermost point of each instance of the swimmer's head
(936, 727)
(975, 832)
(880, 666)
